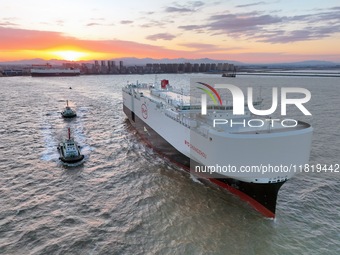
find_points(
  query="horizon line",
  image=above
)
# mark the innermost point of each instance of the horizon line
(169, 59)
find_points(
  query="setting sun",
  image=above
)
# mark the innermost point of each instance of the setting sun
(69, 55)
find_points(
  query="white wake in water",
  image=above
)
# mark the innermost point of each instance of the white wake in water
(50, 143)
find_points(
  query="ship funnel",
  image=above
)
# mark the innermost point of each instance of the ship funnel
(164, 84)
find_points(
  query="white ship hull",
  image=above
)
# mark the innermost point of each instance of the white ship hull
(54, 72)
(181, 140)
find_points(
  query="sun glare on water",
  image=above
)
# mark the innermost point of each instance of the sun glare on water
(69, 55)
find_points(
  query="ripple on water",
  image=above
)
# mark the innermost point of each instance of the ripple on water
(125, 199)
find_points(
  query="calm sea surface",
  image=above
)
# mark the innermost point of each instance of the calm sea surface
(125, 199)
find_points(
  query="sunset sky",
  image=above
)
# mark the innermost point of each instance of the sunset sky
(246, 31)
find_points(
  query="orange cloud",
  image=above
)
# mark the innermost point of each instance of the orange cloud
(19, 44)
(42, 42)
(21, 39)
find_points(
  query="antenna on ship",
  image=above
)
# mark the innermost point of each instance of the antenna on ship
(155, 82)
(260, 99)
(69, 133)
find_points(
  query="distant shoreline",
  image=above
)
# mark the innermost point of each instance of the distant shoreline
(254, 73)
(324, 75)
(238, 74)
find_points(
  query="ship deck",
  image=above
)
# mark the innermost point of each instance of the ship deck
(177, 106)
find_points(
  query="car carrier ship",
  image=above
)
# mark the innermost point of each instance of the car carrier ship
(174, 127)
(48, 71)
